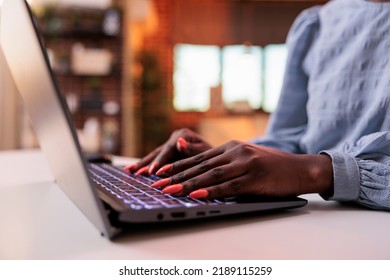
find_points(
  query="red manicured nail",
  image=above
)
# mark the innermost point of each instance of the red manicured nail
(152, 167)
(173, 189)
(129, 167)
(161, 183)
(163, 169)
(143, 170)
(183, 144)
(199, 194)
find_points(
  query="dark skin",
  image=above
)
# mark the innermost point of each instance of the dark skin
(232, 169)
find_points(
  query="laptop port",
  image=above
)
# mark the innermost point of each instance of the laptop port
(178, 215)
(201, 214)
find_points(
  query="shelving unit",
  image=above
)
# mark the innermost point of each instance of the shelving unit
(90, 94)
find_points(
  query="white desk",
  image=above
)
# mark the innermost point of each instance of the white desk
(39, 222)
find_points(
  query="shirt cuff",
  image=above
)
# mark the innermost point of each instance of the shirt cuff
(346, 177)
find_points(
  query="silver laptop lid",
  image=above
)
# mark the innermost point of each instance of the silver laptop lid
(49, 114)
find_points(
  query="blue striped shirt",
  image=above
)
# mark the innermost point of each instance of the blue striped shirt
(336, 94)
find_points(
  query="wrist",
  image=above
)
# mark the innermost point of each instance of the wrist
(319, 174)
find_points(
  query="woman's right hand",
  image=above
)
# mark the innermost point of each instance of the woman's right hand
(181, 144)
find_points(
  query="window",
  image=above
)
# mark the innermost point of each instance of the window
(241, 75)
(248, 74)
(197, 69)
(275, 57)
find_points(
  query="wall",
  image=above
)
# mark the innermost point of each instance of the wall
(221, 22)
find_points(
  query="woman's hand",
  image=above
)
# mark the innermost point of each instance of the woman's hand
(240, 168)
(182, 143)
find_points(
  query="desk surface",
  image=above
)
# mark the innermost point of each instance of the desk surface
(39, 222)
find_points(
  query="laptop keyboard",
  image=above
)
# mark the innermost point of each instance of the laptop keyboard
(135, 191)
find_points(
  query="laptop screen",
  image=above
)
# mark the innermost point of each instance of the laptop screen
(29, 66)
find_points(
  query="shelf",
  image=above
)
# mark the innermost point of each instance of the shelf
(113, 75)
(77, 34)
(62, 28)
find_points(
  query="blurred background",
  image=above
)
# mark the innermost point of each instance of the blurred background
(133, 71)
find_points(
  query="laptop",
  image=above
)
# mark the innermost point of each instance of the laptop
(106, 195)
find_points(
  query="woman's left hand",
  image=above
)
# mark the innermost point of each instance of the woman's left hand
(240, 168)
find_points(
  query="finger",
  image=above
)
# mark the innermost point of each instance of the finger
(167, 153)
(186, 148)
(200, 160)
(181, 145)
(142, 171)
(212, 177)
(129, 168)
(182, 142)
(192, 149)
(225, 189)
(143, 162)
(214, 165)
(163, 170)
(153, 166)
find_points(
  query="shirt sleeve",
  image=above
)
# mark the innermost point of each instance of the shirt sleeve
(361, 171)
(288, 122)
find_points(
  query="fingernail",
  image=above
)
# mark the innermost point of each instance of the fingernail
(152, 167)
(183, 144)
(173, 189)
(163, 169)
(143, 170)
(161, 183)
(129, 167)
(199, 194)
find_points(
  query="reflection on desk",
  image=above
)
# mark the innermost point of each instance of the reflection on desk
(40, 222)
